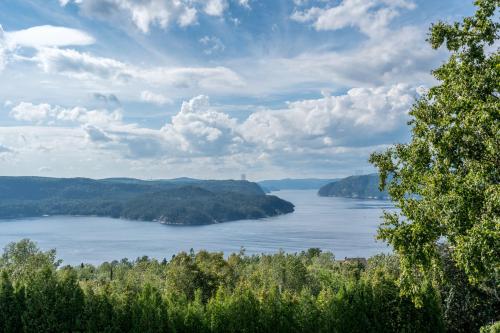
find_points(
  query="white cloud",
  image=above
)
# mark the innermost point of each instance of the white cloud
(85, 66)
(47, 35)
(212, 44)
(211, 78)
(331, 131)
(147, 13)
(202, 130)
(48, 114)
(371, 17)
(80, 65)
(38, 37)
(188, 17)
(215, 7)
(361, 117)
(151, 97)
(30, 112)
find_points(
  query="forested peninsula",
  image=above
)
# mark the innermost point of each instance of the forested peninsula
(181, 201)
(361, 187)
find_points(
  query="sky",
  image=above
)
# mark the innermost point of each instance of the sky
(210, 88)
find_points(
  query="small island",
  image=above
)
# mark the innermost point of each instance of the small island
(182, 201)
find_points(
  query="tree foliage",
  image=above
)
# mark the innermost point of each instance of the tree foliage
(205, 292)
(446, 180)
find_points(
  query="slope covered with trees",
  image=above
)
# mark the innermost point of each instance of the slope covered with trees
(183, 201)
(294, 184)
(204, 292)
(362, 187)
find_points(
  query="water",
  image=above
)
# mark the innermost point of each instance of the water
(347, 227)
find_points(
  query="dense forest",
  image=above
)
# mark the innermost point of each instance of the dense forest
(180, 201)
(294, 184)
(205, 292)
(362, 187)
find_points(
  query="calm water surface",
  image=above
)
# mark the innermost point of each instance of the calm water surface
(344, 226)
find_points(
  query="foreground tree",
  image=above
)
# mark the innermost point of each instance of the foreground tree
(446, 180)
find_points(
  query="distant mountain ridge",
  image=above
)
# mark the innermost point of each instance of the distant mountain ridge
(179, 201)
(294, 184)
(362, 187)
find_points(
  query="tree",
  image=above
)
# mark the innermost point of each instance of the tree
(446, 180)
(22, 258)
(69, 302)
(149, 312)
(40, 314)
(10, 306)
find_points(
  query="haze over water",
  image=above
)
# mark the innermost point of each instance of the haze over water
(347, 227)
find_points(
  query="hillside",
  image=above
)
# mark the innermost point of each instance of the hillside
(171, 202)
(363, 187)
(294, 184)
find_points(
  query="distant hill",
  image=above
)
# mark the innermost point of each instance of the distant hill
(294, 184)
(363, 187)
(179, 201)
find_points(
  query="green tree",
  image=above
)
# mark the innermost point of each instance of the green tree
(40, 314)
(446, 180)
(466, 307)
(99, 312)
(69, 302)
(149, 313)
(10, 306)
(22, 258)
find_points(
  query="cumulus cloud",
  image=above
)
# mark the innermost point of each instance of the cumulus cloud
(151, 97)
(30, 112)
(215, 7)
(200, 129)
(361, 117)
(187, 17)
(371, 17)
(147, 13)
(44, 113)
(334, 131)
(142, 13)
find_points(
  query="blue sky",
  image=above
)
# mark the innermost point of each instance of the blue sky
(210, 88)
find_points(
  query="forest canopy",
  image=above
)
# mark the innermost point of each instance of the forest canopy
(305, 292)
